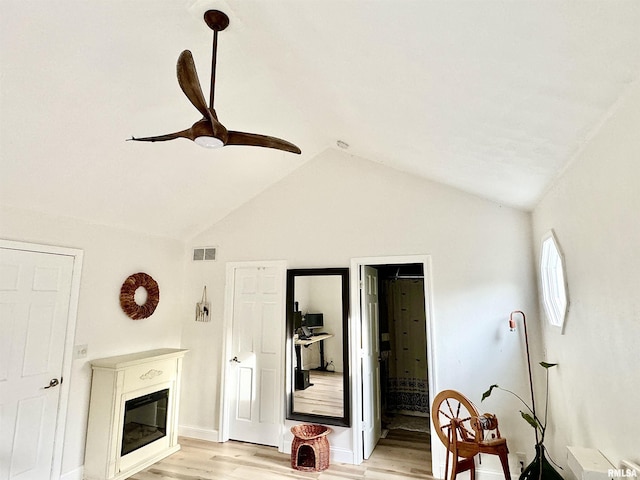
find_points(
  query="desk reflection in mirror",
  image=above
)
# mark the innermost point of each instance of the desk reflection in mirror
(318, 391)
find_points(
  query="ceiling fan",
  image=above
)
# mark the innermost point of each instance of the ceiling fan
(209, 132)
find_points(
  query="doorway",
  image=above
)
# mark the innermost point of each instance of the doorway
(253, 353)
(403, 305)
(39, 291)
(404, 388)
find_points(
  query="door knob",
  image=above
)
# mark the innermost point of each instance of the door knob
(53, 383)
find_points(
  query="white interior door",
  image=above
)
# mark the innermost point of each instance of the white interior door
(371, 408)
(256, 366)
(35, 290)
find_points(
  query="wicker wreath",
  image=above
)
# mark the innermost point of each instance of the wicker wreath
(128, 291)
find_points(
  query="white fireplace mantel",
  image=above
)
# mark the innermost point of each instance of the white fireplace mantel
(115, 381)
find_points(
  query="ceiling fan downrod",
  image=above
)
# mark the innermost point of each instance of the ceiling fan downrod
(217, 21)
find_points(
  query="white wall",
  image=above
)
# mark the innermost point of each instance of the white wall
(594, 209)
(110, 256)
(338, 207)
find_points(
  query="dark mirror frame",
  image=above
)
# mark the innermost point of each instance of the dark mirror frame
(345, 420)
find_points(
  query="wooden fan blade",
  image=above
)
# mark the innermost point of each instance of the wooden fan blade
(188, 80)
(188, 133)
(255, 140)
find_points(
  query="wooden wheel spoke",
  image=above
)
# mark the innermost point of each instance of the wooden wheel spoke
(463, 428)
(453, 415)
(467, 433)
(445, 414)
(452, 412)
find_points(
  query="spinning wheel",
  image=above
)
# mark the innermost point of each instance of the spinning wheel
(449, 405)
(462, 431)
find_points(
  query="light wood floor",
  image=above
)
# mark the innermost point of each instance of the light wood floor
(402, 455)
(324, 397)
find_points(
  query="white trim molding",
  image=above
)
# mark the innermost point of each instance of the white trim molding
(553, 281)
(227, 338)
(199, 433)
(437, 451)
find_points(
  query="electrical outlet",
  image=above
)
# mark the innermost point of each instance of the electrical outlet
(522, 460)
(80, 351)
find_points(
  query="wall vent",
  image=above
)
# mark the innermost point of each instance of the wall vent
(204, 253)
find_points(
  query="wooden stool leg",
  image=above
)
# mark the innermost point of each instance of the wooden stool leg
(454, 467)
(504, 460)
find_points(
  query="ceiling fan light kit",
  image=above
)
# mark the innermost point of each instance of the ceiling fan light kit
(209, 132)
(209, 142)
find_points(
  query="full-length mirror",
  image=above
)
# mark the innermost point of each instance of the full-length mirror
(317, 334)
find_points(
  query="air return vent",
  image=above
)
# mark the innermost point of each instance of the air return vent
(204, 253)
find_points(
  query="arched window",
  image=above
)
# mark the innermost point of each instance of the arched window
(553, 281)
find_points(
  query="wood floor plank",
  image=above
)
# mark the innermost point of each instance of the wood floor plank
(323, 397)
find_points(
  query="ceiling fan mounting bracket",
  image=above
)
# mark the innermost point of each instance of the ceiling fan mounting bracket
(216, 20)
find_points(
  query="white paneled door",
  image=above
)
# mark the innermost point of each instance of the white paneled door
(35, 291)
(256, 366)
(371, 408)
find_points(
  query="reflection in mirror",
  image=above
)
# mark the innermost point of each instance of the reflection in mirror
(317, 312)
(318, 345)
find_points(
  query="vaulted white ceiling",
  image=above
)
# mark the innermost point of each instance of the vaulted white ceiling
(492, 97)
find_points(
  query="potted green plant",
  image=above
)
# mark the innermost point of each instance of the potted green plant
(540, 468)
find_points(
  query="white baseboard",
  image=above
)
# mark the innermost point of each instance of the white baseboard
(342, 455)
(484, 474)
(493, 475)
(73, 474)
(199, 433)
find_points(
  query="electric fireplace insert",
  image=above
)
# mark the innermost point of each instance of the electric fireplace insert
(145, 420)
